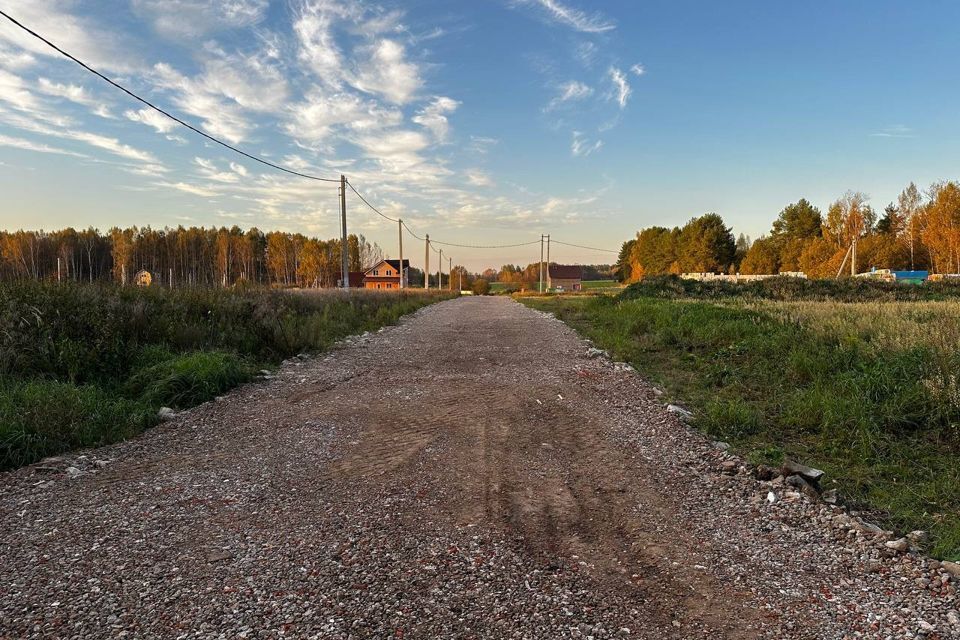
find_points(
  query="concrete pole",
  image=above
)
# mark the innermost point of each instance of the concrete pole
(344, 264)
(440, 272)
(426, 265)
(549, 282)
(400, 226)
(541, 263)
(450, 272)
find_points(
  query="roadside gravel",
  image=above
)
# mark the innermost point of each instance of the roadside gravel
(474, 472)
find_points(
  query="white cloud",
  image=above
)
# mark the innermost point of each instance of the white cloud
(478, 178)
(74, 93)
(151, 118)
(220, 118)
(14, 92)
(569, 91)
(638, 69)
(191, 18)
(82, 37)
(192, 189)
(621, 86)
(575, 18)
(28, 145)
(113, 146)
(582, 146)
(318, 48)
(315, 119)
(433, 116)
(894, 131)
(388, 73)
(17, 60)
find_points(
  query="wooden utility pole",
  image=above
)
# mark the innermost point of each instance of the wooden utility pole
(426, 265)
(400, 226)
(344, 264)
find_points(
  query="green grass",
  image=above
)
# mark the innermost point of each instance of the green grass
(108, 357)
(874, 415)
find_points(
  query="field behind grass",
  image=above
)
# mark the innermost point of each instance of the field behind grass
(87, 365)
(867, 391)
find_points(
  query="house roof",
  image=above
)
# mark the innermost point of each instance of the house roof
(566, 271)
(393, 263)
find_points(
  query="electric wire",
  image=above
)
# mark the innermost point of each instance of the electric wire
(375, 210)
(160, 110)
(580, 246)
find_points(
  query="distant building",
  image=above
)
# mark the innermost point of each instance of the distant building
(889, 275)
(739, 277)
(387, 275)
(356, 279)
(565, 277)
(143, 279)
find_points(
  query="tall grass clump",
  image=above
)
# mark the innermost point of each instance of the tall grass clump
(111, 356)
(866, 391)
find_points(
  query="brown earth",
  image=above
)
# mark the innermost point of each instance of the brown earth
(471, 473)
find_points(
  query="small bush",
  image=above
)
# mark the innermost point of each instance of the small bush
(481, 287)
(40, 418)
(189, 379)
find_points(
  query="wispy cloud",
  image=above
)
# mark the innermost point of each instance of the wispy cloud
(583, 146)
(478, 178)
(28, 145)
(638, 70)
(894, 131)
(574, 18)
(569, 91)
(621, 86)
(192, 18)
(434, 116)
(73, 93)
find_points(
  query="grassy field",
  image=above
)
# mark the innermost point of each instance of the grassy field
(867, 391)
(87, 365)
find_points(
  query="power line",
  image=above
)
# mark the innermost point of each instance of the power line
(375, 210)
(158, 109)
(580, 246)
(484, 246)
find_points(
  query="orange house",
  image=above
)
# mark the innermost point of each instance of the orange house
(386, 275)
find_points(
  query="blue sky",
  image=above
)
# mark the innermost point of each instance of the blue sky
(487, 121)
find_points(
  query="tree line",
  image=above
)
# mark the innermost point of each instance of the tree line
(194, 256)
(921, 230)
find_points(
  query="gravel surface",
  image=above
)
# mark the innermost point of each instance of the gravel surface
(478, 471)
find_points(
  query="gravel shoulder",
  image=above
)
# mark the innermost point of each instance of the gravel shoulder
(474, 472)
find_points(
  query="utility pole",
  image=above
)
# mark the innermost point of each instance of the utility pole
(549, 281)
(426, 265)
(450, 272)
(440, 272)
(541, 262)
(344, 265)
(400, 227)
(853, 257)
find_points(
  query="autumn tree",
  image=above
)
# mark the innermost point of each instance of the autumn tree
(706, 244)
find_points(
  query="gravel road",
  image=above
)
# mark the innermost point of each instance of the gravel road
(474, 472)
